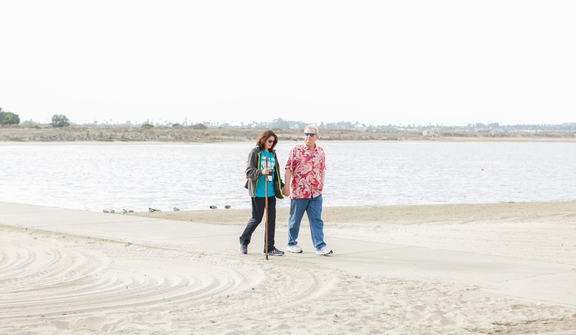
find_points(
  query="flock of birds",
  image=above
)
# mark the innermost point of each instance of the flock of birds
(151, 210)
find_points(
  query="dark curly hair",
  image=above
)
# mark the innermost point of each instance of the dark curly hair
(261, 141)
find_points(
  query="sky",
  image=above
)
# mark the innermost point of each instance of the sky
(373, 62)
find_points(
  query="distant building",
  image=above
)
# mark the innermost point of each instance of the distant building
(430, 133)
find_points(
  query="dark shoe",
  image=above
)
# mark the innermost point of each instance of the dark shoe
(243, 249)
(275, 252)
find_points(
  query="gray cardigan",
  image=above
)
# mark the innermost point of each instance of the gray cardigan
(254, 172)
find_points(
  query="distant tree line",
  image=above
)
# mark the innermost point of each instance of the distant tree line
(59, 120)
(471, 127)
(8, 118)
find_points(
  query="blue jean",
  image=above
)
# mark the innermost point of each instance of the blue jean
(313, 208)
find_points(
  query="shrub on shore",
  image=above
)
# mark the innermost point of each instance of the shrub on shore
(60, 120)
(8, 117)
(199, 126)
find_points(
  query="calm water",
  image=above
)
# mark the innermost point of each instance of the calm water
(194, 176)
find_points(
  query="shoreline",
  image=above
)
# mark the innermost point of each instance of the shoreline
(89, 143)
(117, 135)
(160, 143)
(400, 214)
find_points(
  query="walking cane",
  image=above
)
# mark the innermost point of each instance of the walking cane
(266, 229)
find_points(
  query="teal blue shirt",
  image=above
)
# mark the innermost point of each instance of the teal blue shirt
(261, 187)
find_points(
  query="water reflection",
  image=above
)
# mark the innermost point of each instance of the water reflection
(194, 176)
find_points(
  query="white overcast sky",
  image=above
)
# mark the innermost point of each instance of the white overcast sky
(376, 62)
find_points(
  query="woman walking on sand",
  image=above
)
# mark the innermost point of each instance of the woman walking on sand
(258, 176)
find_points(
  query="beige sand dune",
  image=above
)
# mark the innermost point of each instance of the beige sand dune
(124, 274)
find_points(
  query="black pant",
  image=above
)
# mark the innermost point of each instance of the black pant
(258, 209)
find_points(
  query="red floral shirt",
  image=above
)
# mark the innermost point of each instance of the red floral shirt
(307, 169)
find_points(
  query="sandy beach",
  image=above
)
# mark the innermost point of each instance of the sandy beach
(446, 269)
(506, 229)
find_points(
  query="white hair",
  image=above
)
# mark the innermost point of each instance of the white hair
(313, 126)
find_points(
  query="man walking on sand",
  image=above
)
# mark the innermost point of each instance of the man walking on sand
(305, 172)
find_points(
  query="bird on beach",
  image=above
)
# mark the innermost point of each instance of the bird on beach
(213, 207)
(153, 210)
(105, 211)
(227, 206)
(176, 209)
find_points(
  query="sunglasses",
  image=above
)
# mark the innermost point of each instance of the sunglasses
(310, 134)
(270, 141)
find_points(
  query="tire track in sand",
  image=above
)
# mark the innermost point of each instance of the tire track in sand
(49, 282)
